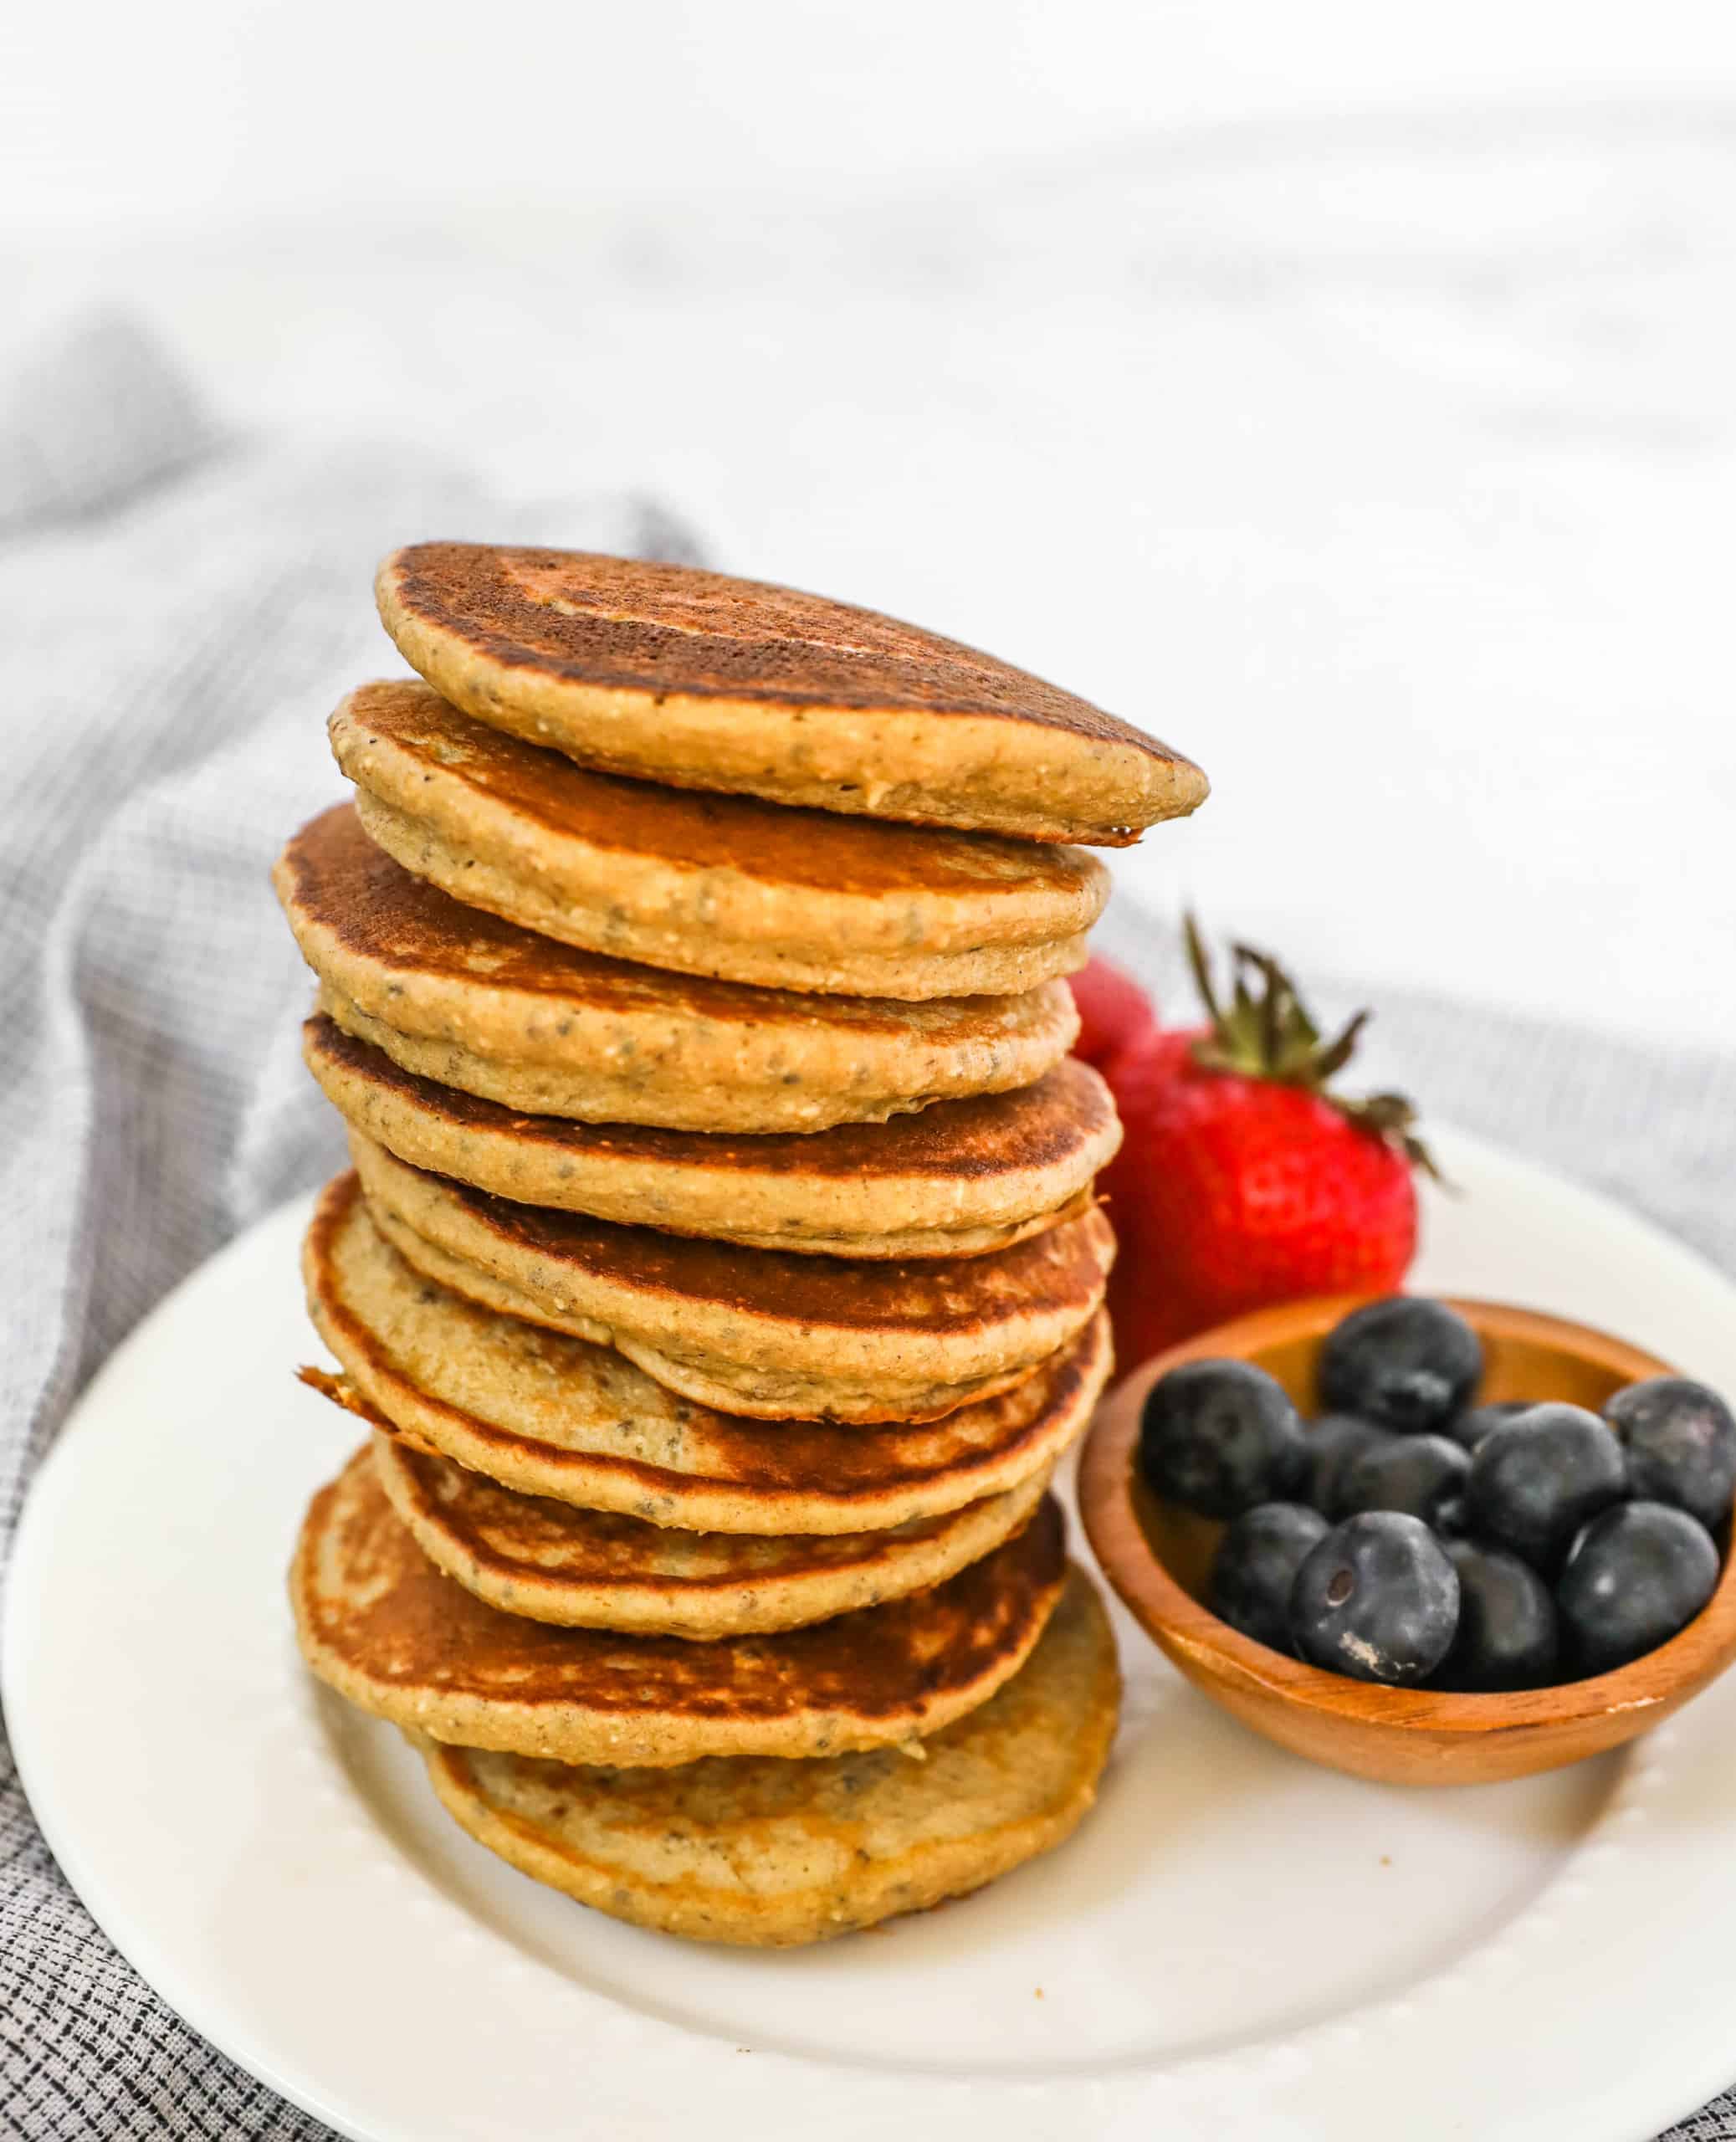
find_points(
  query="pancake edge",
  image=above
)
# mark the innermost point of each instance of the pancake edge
(633, 1489)
(910, 941)
(749, 1354)
(970, 1214)
(975, 771)
(742, 1606)
(946, 1868)
(651, 1740)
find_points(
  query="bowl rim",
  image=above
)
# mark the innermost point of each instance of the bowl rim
(1191, 1634)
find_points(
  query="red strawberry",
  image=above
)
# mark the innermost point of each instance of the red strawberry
(1243, 1180)
(1113, 1010)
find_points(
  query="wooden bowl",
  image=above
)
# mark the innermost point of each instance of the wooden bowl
(1157, 1555)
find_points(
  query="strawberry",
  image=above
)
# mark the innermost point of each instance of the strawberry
(1243, 1179)
(1113, 1010)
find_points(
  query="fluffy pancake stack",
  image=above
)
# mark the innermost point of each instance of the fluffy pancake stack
(719, 1271)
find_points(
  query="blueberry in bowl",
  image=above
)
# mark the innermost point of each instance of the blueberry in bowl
(1637, 1576)
(1254, 1570)
(1508, 1635)
(1474, 1423)
(1680, 1440)
(1220, 1436)
(1518, 1687)
(1537, 1479)
(1422, 1476)
(1334, 1442)
(1378, 1599)
(1407, 1362)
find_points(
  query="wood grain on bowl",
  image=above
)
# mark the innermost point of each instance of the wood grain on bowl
(1157, 1555)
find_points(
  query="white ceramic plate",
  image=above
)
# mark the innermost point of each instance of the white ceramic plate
(1234, 1943)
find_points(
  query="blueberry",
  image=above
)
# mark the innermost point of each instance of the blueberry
(1407, 1363)
(1635, 1576)
(1220, 1436)
(1680, 1443)
(1537, 1478)
(1333, 1441)
(1469, 1428)
(1255, 1567)
(1508, 1634)
(1377, 1599)
(1423, 1475)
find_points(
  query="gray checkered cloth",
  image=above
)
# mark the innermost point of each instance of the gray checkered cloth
(183, 607)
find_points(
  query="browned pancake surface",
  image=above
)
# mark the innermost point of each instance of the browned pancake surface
(380, 1621)
(768, 1854)
(1061, 1270)
(379, 912)
(598, 1569)
(553, 1415)
(1039, 1126)
(621, 624)
(529, 1536)
(784, 845)
(332, 875)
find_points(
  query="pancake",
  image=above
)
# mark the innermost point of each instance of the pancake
(671, 674)
(590, 1569)
(557, 1416)
(957, 1180)
(720, 885)
(767, 1854)
(456, 995)
(379, 1623)
(755, 1331)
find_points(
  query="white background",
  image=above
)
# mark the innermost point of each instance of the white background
(1344, 391)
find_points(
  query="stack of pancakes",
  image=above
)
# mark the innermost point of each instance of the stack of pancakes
(719, 1272)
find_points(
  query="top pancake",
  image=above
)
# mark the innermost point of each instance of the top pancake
(694, 679)
(720, 885)
(456, 995)
(384, 1627)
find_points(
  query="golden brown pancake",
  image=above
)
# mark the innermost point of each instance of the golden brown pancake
(768, 1854)
(956, 1180)
(720, 885)
(379, 1623)
(590, 1569)
(554, 1416)
(456, 995)
(669, 674)
(755, 1331)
